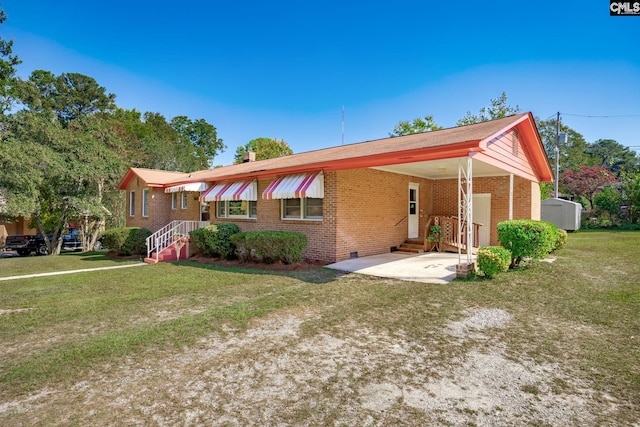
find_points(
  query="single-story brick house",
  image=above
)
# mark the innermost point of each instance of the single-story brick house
(365, 198)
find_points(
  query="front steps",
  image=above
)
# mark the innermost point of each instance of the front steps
(411, 246)
(168, 254)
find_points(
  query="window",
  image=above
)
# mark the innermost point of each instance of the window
(307, 208)
(145, 202)
(237, 209)
(132, 203)
(174, 201)
(184, 200)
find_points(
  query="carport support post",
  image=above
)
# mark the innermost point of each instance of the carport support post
(465, 217)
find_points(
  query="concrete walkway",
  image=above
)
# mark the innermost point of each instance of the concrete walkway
(58, 273)
(430, 267)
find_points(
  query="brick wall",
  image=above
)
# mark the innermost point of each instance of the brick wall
(160, 212)
(371, 210)
(364, 210)
(191, 213)
(320, 234)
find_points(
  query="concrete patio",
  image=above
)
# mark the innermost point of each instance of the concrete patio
(430, 267)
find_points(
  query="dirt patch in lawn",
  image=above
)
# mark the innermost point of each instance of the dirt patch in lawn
(276, 373)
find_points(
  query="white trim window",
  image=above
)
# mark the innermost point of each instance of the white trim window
(308, 208)
(237, 209)
(145, 202)
(174, 201)
(132, 203)
(184, 200)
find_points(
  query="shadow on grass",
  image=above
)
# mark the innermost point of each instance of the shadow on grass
(316, 275)
(101, 256)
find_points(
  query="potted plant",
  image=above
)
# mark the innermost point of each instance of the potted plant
(435, 237)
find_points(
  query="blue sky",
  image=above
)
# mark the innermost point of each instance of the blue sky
(285, 69)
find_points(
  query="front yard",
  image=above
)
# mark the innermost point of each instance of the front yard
(189, 344)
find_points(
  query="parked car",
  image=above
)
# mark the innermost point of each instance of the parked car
(25, 244)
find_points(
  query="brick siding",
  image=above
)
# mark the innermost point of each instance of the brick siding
(160, 212)
(364, 210)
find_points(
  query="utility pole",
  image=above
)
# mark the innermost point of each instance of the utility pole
(557, 152)
(342, 125)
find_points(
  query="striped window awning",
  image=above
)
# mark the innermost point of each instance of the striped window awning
(296, 186)
(237, 190)
(193, 186)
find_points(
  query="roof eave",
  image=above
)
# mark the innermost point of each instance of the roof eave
(461, 149)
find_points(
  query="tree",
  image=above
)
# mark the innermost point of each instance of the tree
(199, 137)
(631, 195)
(265, 148)
(572, 153)
(498, 109)
(613, 156)
(608, 200)
(69, 96)
(587, 181)
(418, 125)
(8, 63)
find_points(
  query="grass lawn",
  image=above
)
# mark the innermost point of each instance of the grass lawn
(19, 266)
(186, 343)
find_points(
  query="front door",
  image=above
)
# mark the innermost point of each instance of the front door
(204, 211)
(414, 218)
(482, 215)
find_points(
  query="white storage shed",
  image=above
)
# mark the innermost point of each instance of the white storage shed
(563, 213)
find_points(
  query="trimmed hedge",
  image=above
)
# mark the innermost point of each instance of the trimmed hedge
(271, 246)
(527, 238)
(493, 260)
(215, 239)
(126, 240)
(561, 239)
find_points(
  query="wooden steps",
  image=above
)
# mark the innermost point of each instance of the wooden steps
(411, 246)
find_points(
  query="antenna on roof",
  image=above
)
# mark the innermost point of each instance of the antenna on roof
(342, 124)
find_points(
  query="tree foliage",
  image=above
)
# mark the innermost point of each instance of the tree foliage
(499, 108)
(573, 153)
(69, 96)
(265, 148)
(66, 146)
(631, 195)
(613, 156)
(587, 181)
(198, 138)
(8, 63)
(418, 125)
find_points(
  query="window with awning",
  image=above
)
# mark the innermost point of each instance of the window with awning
(192, 186)
(299, 186)
(227, 191)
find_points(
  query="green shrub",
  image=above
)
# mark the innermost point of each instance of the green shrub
(527, 238)
(271, 246)
(561, 239)
(215, 240)
(199, 239)
(243, 252)
(493, 260)
(126, 240)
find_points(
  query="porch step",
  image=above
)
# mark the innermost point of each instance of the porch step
(167, 255)
(411, 246)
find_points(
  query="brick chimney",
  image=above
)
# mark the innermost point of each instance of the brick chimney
(248, 156)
